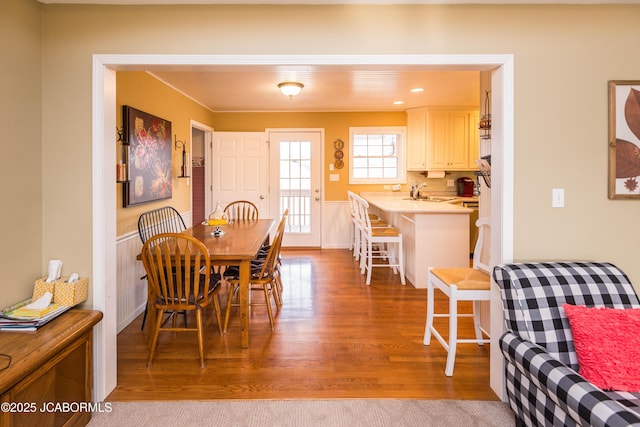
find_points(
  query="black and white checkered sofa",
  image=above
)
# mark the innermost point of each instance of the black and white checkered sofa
(543, 386)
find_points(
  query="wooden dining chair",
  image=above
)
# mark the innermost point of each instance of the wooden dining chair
(161, 220)
(241, 209)
(178, 270)
(265, 276)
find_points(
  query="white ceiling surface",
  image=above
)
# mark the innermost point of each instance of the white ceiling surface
(326, 88)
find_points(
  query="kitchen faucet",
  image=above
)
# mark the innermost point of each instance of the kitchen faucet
(415, 190)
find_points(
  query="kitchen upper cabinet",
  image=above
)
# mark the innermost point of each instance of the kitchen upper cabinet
(474, 139)
(417, 141)
(447, 140)
(442, 139)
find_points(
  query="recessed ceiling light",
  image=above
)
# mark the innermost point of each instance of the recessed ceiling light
(417, 89)
(398, 102)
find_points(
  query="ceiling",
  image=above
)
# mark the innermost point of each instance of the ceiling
(245, 88)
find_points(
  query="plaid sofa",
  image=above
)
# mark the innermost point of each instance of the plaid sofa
(543, 386)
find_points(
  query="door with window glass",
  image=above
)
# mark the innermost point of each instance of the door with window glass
(296, 178)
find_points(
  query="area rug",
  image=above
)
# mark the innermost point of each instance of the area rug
(329, 413)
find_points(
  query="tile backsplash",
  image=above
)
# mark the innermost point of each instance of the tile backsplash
(438, 185)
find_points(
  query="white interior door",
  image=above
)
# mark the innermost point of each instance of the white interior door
(240, 169)
(296, 178)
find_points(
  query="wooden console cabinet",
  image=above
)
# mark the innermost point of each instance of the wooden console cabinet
(48, 367)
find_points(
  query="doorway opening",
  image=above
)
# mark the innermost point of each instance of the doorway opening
(103, 190)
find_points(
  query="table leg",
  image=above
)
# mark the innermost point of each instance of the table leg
(245, 272)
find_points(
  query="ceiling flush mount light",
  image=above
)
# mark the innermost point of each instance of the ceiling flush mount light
(290, 89)
(417, 89)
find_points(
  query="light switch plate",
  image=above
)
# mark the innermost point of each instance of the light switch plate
(334, 177)
(449, 183)
(557, 197)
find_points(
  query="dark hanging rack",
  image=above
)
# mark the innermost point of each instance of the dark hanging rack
(184, 171)
(485, 121)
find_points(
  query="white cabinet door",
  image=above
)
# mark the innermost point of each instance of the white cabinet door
(448, 139)
(474, 140)
(439, 132)
(458, 140)
(417, 141)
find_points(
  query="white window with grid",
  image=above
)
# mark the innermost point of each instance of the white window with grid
(377, 155)
(295, 184)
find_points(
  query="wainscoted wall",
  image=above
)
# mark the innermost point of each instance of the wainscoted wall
(335, 225)
(131, 289)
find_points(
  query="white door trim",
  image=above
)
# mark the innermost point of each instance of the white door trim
(207, 170)
(104, 67)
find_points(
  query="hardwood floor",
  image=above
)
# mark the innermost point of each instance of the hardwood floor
(335, 337)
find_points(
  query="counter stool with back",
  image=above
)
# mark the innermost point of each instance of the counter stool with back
(459, 284)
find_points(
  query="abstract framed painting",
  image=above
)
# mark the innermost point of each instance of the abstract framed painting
(149, 157)
(624, 139)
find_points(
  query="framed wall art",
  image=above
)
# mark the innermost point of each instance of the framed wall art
(624, 139)
(148, 139)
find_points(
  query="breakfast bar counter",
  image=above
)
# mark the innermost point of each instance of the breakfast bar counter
(435, 232)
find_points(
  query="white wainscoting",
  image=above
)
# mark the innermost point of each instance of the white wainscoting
(131, 289)
(335, 225)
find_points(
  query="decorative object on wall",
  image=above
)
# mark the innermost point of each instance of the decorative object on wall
(485, 121)
(338, 144)
(624, 139)
(148, 139)
(184, 168)
(290, 89)
(121, 166)
(484, 171)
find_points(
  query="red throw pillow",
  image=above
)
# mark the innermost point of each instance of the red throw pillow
(607, 343)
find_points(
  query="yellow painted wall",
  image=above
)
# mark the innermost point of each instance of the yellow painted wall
(336, 125)
(146, 93)
(563, 57)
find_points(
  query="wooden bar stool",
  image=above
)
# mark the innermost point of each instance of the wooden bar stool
(459, 284)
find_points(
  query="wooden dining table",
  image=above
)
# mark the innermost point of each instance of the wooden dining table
(239, 243)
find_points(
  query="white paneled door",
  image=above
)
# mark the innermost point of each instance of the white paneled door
(240, 165)
(296, 179)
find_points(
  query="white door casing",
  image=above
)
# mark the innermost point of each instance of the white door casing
(240, 169)
(296, 183)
